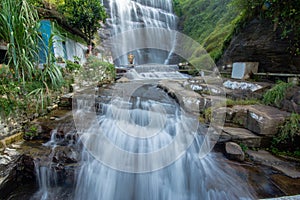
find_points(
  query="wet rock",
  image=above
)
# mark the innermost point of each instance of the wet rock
(66, 101)
(290, 186)
(260, 119)
(241, 135)
(291, 101)
(66, 155)
(296, 98)
(191, 101)
(290, 169)
(14, 174)
(237, 115)
(123, 80)
(188, 99)
(234, 151)
(36, 130)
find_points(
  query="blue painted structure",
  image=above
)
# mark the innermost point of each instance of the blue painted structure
(61, 47)
(45, 31)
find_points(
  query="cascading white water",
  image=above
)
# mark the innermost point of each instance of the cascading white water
(106, 173)
(133, 14)
(158, 71)
(144, 145)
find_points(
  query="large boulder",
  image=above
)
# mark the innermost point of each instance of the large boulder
(234, 151)
(260, 119)
(265, 120)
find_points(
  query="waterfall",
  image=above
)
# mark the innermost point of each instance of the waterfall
(158, 71)
(116, 145)
(127, 15)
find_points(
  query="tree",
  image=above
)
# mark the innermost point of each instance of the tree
(85, 15)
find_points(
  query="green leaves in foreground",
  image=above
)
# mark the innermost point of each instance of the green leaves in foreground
(19, 28)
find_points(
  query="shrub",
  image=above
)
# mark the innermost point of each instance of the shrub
(289, 130)
(275, 95)
(72, 66)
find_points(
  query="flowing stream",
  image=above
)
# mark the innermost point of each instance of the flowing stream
(141, 144)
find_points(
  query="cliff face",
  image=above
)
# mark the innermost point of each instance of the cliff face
(257, 42)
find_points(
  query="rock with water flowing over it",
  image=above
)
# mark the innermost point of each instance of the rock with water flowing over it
(234, 151)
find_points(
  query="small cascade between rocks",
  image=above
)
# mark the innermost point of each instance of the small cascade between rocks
(45, 174)
(49, 171)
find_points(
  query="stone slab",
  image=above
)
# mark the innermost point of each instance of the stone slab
(241, 135)
(265, 158)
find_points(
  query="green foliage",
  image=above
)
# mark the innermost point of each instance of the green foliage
(9, 92)
(31, 131)
(285, 15)
(286, 141)
(22, 79)
(19, 28)
(84, 15)
(211, 23)
(7, 106)
(276, 94)
(244, 147)
(289, 130)
(294, 153)
(97, 64)
(72, 66)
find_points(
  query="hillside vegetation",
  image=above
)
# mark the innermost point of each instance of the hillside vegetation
(209, 22)
(212, 23)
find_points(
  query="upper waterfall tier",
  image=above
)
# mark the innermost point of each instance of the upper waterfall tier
(128, 15)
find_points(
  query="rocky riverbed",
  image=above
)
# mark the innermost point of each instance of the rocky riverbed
(53, 149)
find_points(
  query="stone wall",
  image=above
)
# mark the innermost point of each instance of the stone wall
(257, 42)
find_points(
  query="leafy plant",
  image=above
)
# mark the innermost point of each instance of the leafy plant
(276, 94)
(72, 66)
(97, 64)
(19, 28)
(31, 131)
(84, 15)
(289, 130)
(244, 147)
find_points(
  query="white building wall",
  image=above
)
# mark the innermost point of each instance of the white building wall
(75, 49)
(58, 47)
(72, 49)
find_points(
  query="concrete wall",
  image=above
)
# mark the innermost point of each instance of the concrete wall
(68, 48)
(65, 48)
